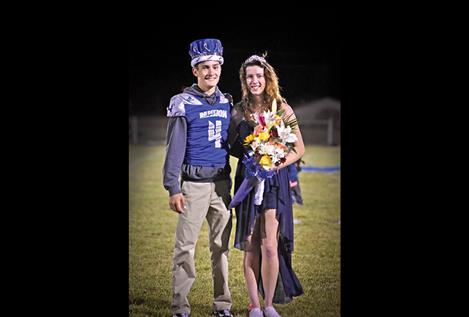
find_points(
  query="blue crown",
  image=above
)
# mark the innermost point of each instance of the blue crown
(206, 50)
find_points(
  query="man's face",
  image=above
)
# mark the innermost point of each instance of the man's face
(207, 73)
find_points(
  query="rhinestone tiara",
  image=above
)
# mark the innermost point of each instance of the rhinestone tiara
(254, 58)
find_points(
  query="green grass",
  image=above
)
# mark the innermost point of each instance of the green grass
(316, 259)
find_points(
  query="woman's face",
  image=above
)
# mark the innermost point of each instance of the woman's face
(255, 80)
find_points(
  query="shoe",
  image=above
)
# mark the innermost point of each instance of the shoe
(223, 313)
(271, 312)
(256, 312)
(182, 315)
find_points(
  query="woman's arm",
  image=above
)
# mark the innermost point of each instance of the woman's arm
(299, 146)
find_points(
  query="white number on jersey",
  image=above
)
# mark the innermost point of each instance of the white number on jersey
(214, 132)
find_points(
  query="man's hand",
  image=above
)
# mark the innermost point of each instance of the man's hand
(177, 203)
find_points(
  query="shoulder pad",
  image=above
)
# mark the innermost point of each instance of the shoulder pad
(176, 107)
(226, 98)
(177, 104)
(189, 99)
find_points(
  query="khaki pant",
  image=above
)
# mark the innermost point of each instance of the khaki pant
(203, 201)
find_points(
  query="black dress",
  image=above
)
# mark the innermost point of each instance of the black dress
(277, 195)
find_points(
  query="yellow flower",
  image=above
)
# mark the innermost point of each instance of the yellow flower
(265, 161)
(264, 136)
(248, 139)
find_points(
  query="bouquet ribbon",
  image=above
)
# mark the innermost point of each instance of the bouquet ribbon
(255, 174)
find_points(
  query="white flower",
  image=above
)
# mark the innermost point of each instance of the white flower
(269, 118)
(255, 144)
(268, 149)
(284, 133)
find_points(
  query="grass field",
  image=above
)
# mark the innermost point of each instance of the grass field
(316, 259)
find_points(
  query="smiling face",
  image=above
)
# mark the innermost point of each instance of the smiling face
(208, 74)
(255, 80)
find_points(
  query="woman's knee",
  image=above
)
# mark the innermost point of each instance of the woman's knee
(269, 250)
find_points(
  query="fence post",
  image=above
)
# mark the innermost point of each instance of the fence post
(330, 131)
(134, 129)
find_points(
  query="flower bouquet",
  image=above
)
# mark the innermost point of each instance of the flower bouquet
(270, 142)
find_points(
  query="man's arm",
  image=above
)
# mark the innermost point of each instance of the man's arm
(175, 151)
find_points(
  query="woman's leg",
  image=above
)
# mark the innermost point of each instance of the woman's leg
(269, 265)
(251, 265)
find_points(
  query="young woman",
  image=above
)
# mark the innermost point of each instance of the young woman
(265, 231)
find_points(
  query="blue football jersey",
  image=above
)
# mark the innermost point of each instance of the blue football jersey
(207, 128)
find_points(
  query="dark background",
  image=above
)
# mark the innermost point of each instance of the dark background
(306, 58)
(74, 85)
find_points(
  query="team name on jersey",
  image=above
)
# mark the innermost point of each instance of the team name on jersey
(213, 113)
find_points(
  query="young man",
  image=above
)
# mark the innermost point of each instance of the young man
(197, 153)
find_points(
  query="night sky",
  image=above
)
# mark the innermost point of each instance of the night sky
(306, 58)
